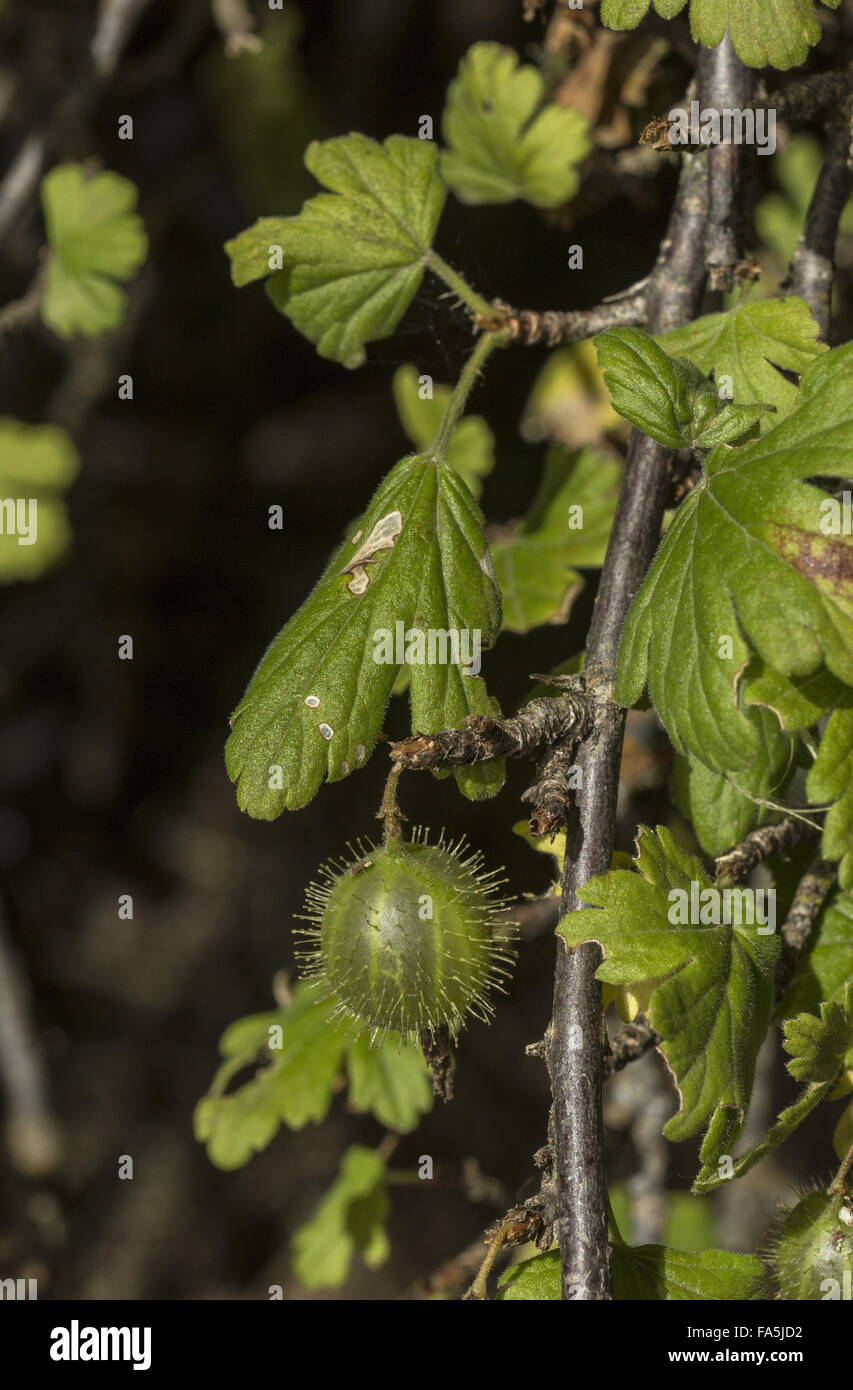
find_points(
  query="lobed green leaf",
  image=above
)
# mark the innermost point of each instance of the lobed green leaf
(505, 141)
(714, 983)
(568, 525)
(350, 1220)
(95, 239)
(647, 1273)
(352, 260)
(747, 348)
(293, 1084)
(745, 569)
(830, 782)
(417, 560)
(37, 464)
(762, 34)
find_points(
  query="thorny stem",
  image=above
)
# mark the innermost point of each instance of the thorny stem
(576, 1033)
(485, 345)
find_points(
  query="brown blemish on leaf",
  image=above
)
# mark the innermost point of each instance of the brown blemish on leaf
(826, 561)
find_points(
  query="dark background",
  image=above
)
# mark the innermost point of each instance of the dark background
(111, 772)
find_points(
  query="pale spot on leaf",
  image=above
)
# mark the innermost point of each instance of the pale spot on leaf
(383, 536)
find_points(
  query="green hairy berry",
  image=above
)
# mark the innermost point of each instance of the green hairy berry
(813, 1255)
(404, 935)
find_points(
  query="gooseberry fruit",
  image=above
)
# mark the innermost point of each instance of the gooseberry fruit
(404, 935)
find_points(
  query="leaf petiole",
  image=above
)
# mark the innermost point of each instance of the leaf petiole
(456, 282)
(486, 344)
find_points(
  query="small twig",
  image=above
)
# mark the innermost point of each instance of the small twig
(388, 1145)
(550, 792)
(553, 724)
(112, 32)
(804, 100)
(389, 810)
(452, 1275)
(811, 96)
(735, 864)
(813, 264)
(438, 1056)
(812, 892)
(520, 1225)
(32, 1133)
(631, 1042)
(20, 312)
(115, 25)
(237, 25)
(552, 327)
(541, 723)
(21, 179)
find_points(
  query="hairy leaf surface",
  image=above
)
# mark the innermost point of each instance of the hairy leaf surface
(830, 782)
(354, 257)
(745, 569)
(668, 397)
(715, 992)
(417, 562)
(747, 344)
(647, 1273)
